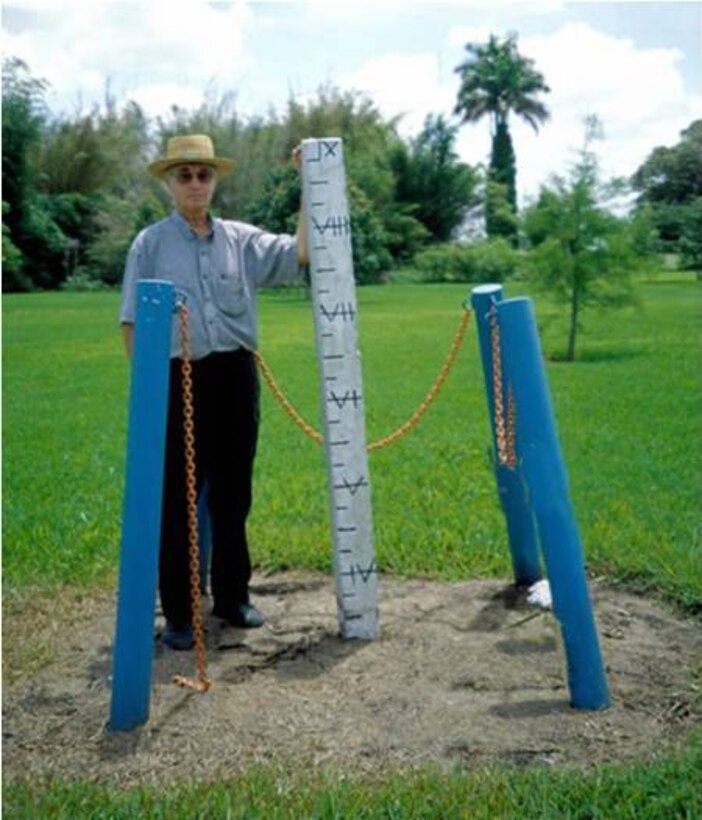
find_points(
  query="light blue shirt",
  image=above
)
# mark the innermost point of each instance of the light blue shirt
(217, 273)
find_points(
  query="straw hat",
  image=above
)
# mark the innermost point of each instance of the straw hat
(193, 148)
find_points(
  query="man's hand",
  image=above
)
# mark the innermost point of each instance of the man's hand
(303, 257)
(128, 334)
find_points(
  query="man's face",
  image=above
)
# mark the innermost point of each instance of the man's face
(192, 186)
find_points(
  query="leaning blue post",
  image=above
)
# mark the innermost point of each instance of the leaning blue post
(521, 530)
(141, 522)
(541, 459)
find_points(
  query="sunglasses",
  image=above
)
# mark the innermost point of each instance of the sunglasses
(185, 176)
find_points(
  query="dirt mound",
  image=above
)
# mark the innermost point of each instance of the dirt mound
(463, 673)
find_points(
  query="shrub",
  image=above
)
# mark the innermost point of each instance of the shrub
(12, 261)
(82, 280)
(492, 260)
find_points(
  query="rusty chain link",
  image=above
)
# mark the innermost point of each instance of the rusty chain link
(412, 422)
(202, 684)
(504, 421)
(511, 430)
(292, 413)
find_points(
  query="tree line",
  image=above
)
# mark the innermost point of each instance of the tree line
(75, 189)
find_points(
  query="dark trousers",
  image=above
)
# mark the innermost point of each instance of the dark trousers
(226, 416)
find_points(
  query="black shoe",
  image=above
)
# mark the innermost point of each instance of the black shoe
(179, 639)
(244, 615)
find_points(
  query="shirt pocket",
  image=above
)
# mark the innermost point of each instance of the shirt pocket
(229, 286)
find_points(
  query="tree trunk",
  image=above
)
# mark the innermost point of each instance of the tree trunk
(574, 310)
(501, 200)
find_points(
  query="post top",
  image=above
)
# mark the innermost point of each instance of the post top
(155, 283)
(482, 290)
(514, 302)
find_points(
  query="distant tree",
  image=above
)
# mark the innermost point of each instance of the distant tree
(23, 117)
(436, 186)
(503, 164)
(669, 183)
(277, 207)
(86, 166)
(495, 81)
(691, 237)
(582, 254)
(102, 150)
(371, 257)
(118, 221)
(673, 174)
(12, 261)
(30, 226)
(501, 220)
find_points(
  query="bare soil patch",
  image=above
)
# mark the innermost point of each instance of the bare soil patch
(463, 674)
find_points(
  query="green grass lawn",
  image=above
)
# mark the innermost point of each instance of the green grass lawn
(629, 418)
(662, 790)
(628, 414)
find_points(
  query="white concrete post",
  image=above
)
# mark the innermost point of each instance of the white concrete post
(335, 314)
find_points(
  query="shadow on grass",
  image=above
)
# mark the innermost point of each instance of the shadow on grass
(595, 356)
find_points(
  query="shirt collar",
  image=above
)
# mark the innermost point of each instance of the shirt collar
(185, 229)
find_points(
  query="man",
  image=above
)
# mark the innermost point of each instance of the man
(216, 264)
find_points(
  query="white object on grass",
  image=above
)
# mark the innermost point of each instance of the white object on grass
(539, 594)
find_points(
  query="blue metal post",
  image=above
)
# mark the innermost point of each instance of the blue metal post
(542, 463)
(521, 530)
(141, 523)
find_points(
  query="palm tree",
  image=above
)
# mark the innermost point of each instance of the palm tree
(497, 80)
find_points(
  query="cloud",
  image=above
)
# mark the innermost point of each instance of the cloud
(136, 47)
(403, 85)
(638, 93)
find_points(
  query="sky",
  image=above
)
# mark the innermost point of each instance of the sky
(636, 65)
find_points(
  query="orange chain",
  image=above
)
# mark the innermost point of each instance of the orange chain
(292, 413)
(504, 423)
(202, 684)
(403, 429)
(420, 412)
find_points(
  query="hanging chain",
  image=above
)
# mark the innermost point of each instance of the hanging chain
(412, 422)
(511, 428)
(504, 421)
(292, 413)
(202, 684)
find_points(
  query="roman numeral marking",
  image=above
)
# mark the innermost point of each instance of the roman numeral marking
(341, 401)
(352, 486)
(335, 225)
(343, 310)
